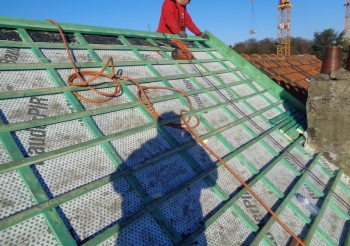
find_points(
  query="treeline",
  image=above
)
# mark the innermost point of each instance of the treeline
(299, 46)
(251, 46)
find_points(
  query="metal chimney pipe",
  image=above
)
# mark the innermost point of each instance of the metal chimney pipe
(331, 59)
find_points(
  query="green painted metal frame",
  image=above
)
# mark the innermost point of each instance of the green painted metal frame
(45, 205)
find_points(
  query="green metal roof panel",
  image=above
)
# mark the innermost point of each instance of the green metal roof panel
(73, 172)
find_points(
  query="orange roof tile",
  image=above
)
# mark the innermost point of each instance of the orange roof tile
(291, 72)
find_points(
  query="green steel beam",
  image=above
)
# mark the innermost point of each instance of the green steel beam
(9, 22)
(36, 191)
(40, 45)
(72, 116)
(325, 237)
(55, 153)
(263, 80)
(60, 89)
(285, 202)
(67, 65)
(234, 199)
(325, 204)
(116, 228)
(57, 201)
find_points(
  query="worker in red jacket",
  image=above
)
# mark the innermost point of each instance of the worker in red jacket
(175, 19)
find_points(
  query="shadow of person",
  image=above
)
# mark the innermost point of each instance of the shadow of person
(182, 213)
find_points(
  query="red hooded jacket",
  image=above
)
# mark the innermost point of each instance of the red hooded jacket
(175, 18)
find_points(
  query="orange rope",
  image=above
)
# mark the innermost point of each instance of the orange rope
(143, 98)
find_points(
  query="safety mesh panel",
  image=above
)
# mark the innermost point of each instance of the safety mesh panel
(204, 157)
(294, 223)
(166, 70)
(193, 68)
(120, 121)
(250, 205)
(227, 181)
(166, 175)
(334, 226)
(97, 210)
(33, 231)
(60, 55)
(117, 55)
(140, 146)
(275, 174)
(143, 232)
(16, 55)
(213, 66)
(68, 172)
(23, 80)
(227, 230)
(188, 209)
(258, 156)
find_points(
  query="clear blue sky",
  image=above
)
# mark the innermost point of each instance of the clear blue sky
(229, 20)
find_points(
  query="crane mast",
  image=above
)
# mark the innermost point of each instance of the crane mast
(347, 21)
(283, 27)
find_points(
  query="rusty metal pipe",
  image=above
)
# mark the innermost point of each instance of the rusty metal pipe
(331, 59)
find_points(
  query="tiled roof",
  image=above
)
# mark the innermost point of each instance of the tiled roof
(79, 173)
(291, 72)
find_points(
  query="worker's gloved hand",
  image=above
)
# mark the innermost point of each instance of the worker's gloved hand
(203, 35)
(182, 34)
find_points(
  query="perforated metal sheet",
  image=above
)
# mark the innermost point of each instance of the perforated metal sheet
(140, 146)
(236, 136)
(166, 70)
(16, 55)
(143, 232)
(203, 156)
(258, 103)
(239, 109)
(52, 137)
(14, 196)
(229, 64)
(261, 157)
(117, 55)
(227, 230)
(189, 208)
(217, 54)
(68, 172)
(193, 68)
(334, 226)
(295, 224)
(342, 199)
(120, 121)
(33, 231)
(242, 90)
(151, 55)
(23, 80)
(317, 241)
(319, 179)
(207, 81)
(223, 95)
(36, 107)
(213, 66)
(156, 178)
(201, 55)
(277, 141)
(60, 55)
(283, 184)
(227, 181)
(228, 77)
(101, 208)
(218, 118)
(256, 212)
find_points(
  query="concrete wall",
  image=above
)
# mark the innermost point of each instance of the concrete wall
(328, 114)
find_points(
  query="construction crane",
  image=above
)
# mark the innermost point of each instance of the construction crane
(283, 27)
(347, 20)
